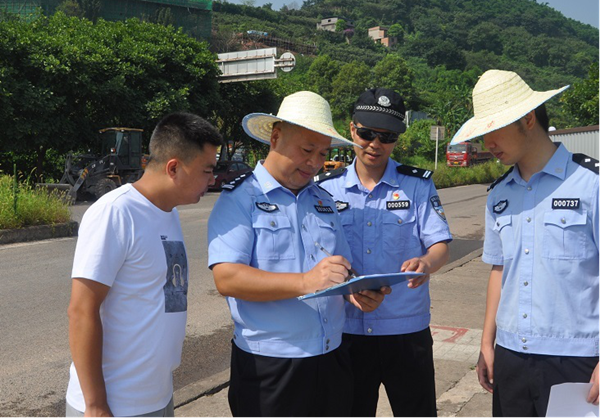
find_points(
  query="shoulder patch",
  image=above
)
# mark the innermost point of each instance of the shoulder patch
(235, 183)
(587, 162)
(329, 175)
(499, 179)
(414, 171)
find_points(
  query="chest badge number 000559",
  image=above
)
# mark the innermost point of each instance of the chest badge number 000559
(397, 204)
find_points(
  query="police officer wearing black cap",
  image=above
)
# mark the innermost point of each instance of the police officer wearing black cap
(394, 221)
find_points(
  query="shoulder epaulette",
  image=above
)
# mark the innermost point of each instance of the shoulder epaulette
(414, 171)
(499, 179)
(329, 175)
(587, 162)
(236, 182)
(325, 190)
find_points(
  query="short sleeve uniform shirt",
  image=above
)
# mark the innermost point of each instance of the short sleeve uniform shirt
(264, 225)
(544, 232)
(396, 221)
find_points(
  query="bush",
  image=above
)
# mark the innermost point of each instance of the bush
(34, 206)
(446, 176)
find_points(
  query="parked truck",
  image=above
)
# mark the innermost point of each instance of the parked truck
(466, 154)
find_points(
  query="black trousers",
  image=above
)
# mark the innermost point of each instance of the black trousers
(403, 363)
(311, 386)
(522, 382)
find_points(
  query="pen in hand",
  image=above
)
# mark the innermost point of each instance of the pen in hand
(351, 272)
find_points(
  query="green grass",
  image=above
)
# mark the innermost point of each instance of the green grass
(34, 206)
(446, 176)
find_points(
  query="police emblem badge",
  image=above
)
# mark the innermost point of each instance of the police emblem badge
(437, 206)
(266, 206)
(500, 206)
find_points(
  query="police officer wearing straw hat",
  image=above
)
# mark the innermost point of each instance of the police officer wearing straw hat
(541, 238)
(394, 221)
(287, 357)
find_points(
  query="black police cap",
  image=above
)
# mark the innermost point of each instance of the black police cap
(380, 108)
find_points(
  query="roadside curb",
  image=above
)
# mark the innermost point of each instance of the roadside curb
(460, 262)
(38, 232)
(204, 387)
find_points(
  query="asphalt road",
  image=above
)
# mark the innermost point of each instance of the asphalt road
(34, 350)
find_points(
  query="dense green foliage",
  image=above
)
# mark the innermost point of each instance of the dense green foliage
(34, 206)
(444, 46)
(581, 100)
(63, 78)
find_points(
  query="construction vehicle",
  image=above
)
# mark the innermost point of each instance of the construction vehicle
(121, 161)
(338, 158)
(466, 154)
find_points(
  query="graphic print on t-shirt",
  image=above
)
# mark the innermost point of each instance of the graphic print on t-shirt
(176, 286)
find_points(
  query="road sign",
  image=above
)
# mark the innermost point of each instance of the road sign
(437, 133)
(286, 62)
(257, 64)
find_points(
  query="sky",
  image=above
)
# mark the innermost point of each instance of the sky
(585, 11)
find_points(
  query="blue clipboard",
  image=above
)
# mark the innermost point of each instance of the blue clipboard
(368, 282)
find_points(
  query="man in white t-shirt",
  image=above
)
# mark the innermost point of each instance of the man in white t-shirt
(128, 304)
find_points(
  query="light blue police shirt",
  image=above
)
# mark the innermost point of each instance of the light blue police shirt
(545, 234)
(264, 225)
(396, 221)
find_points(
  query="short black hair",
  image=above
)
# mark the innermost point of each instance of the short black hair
(179, 135)
(542, 116)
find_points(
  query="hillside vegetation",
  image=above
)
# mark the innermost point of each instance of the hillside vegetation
(443, 47)
(63, 77)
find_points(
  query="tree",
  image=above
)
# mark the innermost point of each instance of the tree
(91, 9)
(392, 72)
(340, 25)
(485, 36)
(64, 78)
(350, 82)
(238, 100)
(396, 31)
(581, 100)
(70, 8)
(321, 74)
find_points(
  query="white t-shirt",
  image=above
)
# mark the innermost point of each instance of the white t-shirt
(129, 244)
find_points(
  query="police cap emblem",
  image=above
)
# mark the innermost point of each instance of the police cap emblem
(384, 101)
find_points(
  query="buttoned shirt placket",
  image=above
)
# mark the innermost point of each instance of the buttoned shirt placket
(312, 257)
(527, 223)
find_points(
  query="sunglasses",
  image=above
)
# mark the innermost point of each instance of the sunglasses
(370, 135)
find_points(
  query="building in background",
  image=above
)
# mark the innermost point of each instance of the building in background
(582, 140)
(379, 34)
(194, 16)
(330, 23)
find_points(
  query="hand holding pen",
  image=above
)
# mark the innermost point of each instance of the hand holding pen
(351, 272)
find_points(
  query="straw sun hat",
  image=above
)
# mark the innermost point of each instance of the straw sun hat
(305, 109)
(499, 99)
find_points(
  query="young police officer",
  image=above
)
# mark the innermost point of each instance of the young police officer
(286, 355)
(541, 237)
(394, 221)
